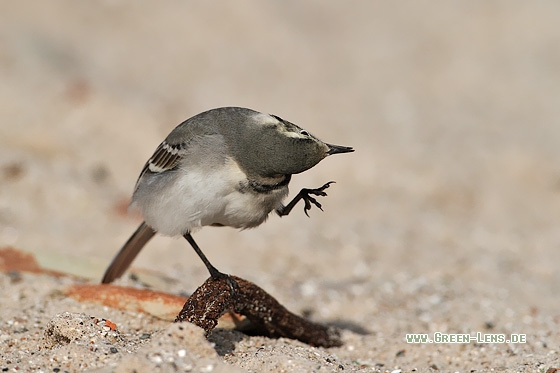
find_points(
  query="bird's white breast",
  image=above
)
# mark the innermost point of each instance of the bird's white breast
(193, 197)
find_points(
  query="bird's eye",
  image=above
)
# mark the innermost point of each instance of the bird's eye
(304, 132)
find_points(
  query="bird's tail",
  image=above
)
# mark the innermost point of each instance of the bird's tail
(128, 252)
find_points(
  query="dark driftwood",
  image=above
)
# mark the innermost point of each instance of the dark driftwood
(267, 316)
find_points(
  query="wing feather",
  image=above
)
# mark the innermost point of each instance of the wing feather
(165, 158)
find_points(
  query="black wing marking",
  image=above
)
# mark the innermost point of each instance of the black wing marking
(165, 158)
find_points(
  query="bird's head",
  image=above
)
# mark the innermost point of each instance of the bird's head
(273, 146)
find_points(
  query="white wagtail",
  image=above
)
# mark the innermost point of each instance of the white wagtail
(225, 167)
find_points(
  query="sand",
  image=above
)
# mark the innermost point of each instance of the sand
(444, 220)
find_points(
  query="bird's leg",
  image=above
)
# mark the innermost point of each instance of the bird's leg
(214, 273)
(305, 194)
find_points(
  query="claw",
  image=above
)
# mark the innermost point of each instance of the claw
(310, 200)
(305, 194)
(316, 203)
(233, 285)
(307, 205)
(321, 191)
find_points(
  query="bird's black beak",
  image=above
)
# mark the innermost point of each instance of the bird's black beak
(335, 149)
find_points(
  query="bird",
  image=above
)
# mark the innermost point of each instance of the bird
(228, 166)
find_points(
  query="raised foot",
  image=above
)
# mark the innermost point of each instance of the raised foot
(306, 196)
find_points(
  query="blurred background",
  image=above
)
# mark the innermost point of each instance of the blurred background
(453, 109)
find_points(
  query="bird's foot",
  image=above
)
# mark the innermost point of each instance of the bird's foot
(306, 196)
(233, 285)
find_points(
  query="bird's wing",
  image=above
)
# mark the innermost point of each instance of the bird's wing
(165, 158)
(169, 153)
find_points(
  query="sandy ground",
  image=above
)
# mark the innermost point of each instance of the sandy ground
(445, 219)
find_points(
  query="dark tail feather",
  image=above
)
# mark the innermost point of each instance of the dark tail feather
(126, 255)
